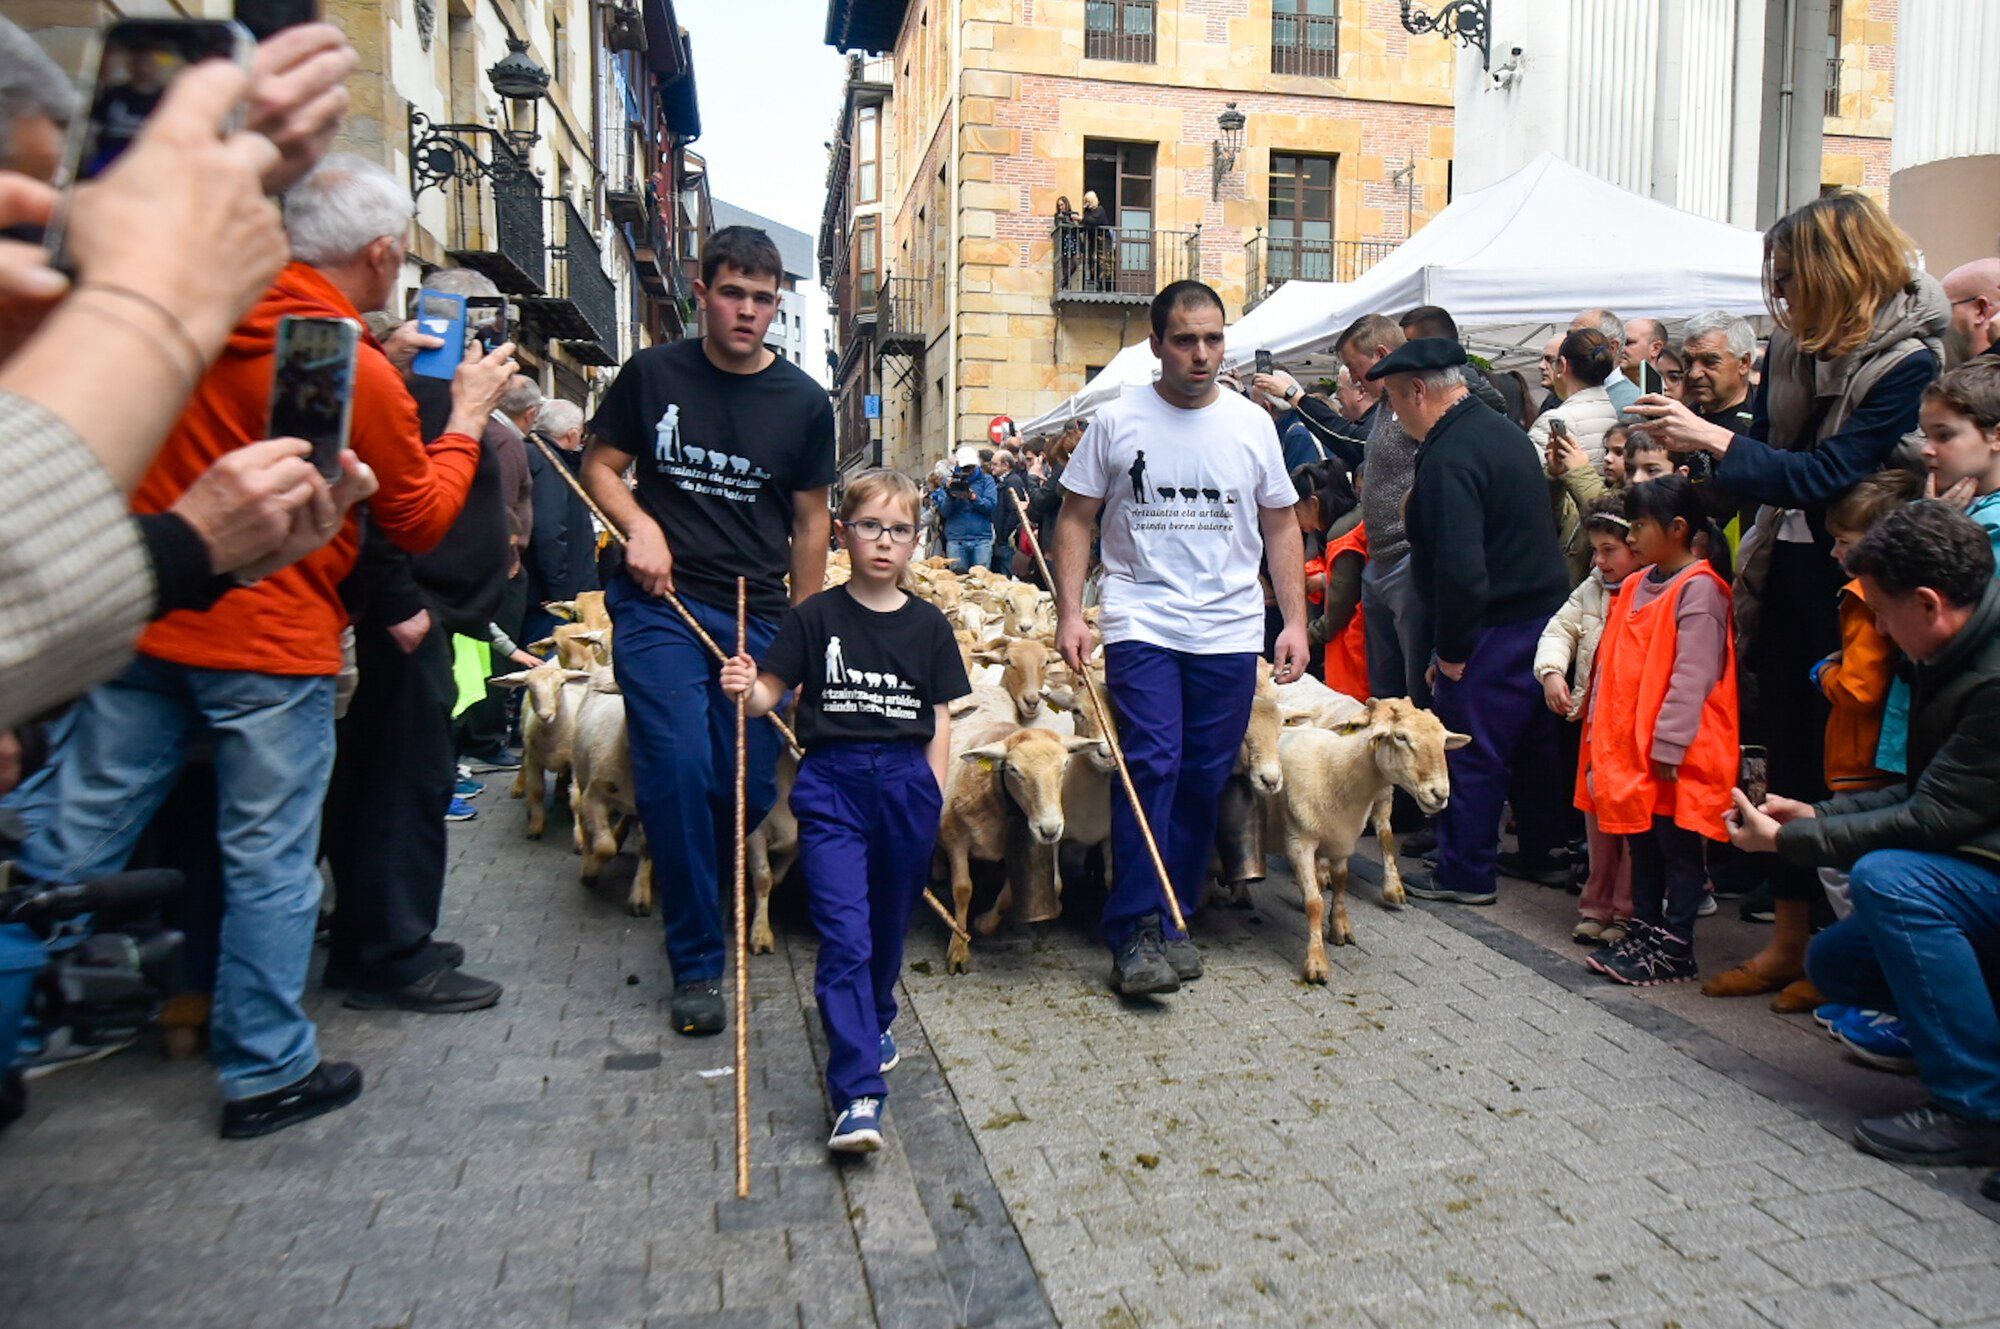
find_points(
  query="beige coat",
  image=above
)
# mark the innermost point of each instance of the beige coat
(1571, 639)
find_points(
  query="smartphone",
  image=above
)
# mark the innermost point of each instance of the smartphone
(134, 61)
(1559, 428)
(1264, 362)
(261, 18)
(440, 314)
(486, 319)
(312, 386)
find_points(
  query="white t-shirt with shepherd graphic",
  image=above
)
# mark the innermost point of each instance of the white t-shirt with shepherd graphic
(1181, 492)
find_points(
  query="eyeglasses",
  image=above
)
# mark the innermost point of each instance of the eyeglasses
(868, 528)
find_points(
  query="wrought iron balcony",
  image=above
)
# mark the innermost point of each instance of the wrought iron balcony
(654, 255)
(493, 202)
(1120, 265)
(624, 170)
(1269, 261)
(1120, 30)
(1307, 44)
(902, 316)
(580, 308)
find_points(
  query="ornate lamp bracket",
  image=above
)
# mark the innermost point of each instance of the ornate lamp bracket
(1466, 21)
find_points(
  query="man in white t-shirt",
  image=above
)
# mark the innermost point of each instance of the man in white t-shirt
(1192, 488)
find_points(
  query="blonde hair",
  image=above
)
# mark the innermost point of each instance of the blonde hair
(880, 483)
(1848, 260)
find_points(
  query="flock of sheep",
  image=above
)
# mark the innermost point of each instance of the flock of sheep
(1031, 770)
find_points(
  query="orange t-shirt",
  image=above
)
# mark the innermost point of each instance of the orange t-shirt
(289, 623)
(1635, 667)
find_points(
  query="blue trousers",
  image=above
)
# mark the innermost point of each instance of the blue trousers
(1924, 941)
(966, 554)
(1515, 753)
(683, 730)
(868, 820)
(273, 740)
(1181, 718)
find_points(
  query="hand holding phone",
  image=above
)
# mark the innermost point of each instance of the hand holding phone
(442, 315)
(1264, 362)
(312, 386)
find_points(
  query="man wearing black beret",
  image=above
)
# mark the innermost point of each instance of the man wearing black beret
(1488, 568)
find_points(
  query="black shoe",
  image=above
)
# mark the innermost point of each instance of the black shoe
(1419, 844)
(698, 1007)
(443, 991)
(331, 1085)
(336, 977)
(1990, 1188)
(1930, 1136)
(1757, 906)
(1549, 868)
(1424, 886)
(487, 763)
(1184, 956)
(1140, 967)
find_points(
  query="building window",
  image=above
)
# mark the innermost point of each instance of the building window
(1833, 17)
(1299, 232)
(1305, 37)
(867, 265)
(867, 155)
(1119, 30)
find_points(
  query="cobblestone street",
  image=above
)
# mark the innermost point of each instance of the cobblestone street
(1454, 1131)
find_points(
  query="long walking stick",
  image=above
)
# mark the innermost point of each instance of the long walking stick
(616, 533)
(742, 914)
(791, 739)
(1109, 730)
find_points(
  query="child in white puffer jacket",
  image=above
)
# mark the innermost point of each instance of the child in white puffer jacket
(1564, 659)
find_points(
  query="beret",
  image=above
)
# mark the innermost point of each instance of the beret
(1419, 357)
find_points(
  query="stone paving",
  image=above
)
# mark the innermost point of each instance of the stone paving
(1444, 1135)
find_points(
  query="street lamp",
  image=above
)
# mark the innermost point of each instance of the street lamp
(1468, 21)
(521, 83)
(1224, 151)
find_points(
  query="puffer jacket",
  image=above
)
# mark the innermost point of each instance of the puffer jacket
(1589, 415)
(1946, 804)
(1568, 645)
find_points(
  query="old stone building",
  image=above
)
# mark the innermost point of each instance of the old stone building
(962, 298)
(1860, 94)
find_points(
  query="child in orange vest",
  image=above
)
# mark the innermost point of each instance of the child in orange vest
(1563, 662)
(1328, 503)
(1660, 744)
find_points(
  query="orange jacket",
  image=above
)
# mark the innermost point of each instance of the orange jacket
(1635, 665)
(1347, 654)
(1857, 683)
(290, 622)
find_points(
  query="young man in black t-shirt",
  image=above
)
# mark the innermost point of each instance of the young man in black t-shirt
(733, 450)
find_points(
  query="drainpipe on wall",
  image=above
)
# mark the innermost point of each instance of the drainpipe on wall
(955, 267)
(1786, 88)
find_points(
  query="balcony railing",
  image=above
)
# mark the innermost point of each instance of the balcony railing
(623, 169)
(1121, 265)
(902, 316)
(1269, 261)
(1120, 30)
(581, 306)
(1307, 44)
(654, 255)
(1833, 64)
(493, 204)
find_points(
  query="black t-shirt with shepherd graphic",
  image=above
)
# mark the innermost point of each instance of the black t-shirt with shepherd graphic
(719, 456)
(869, 677)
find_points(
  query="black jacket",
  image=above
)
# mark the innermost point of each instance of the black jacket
(561, 558)
(1482, 539)
(1946, 804)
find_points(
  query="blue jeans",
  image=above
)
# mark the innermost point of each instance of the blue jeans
(868, 819)
(1924, 942)
(273, 740)
(1181, 718)
(968, 554)
(683, 733)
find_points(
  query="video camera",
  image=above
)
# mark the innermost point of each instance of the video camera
(80, 957)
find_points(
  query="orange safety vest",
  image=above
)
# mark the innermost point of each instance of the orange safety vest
(1635, 666)
(1347, 654)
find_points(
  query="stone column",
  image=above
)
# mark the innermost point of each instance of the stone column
(1945, 154)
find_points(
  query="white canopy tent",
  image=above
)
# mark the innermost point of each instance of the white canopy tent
(1512, 262)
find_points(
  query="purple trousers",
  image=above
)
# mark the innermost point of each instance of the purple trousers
(1181, 719)
(1515, 755)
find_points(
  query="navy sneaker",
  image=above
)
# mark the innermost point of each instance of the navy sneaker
(1876, 1038)
(1830, 1014)
(467, 787)
(1425, 887)
(858, 1130)
(889, 1054)
(1930, 1136)
(1649, 958)
(460, 810)
(1184, 956)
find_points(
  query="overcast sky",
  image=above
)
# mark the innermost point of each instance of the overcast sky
(768, 87)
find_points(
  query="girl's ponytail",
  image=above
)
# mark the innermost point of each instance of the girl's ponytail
(1668, 497)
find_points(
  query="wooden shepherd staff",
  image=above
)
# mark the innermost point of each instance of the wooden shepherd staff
(791, 739)
(1109, 730)
(742, 913)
